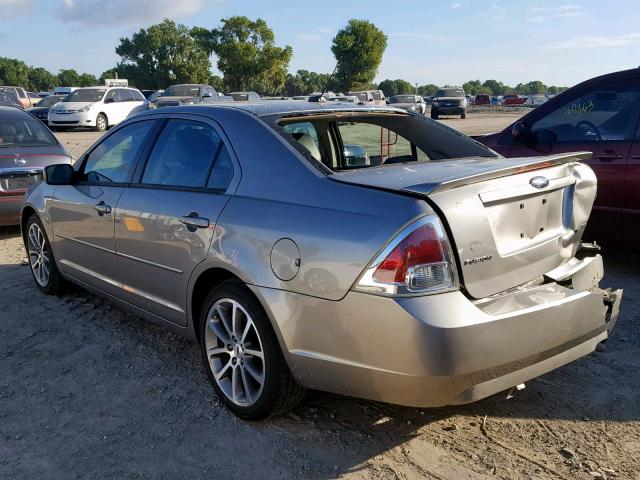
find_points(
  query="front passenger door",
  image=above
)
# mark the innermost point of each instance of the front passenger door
(166, 221)
(83, 213)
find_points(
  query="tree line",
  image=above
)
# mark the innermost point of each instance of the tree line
(246, 54)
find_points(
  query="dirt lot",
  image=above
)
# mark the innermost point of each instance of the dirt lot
(90, 391)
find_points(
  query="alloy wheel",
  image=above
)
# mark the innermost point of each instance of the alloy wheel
(39, 258)
(235, 353)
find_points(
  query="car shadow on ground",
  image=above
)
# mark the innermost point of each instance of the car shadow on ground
(94, 371)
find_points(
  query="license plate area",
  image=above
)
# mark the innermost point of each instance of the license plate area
(520, 223)
(10, 183)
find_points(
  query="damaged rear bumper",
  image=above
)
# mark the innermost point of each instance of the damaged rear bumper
(443, 349)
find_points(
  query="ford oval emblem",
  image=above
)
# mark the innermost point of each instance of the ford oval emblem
(19, 160)
(539, 182)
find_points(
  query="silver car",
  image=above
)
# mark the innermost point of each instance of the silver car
(416, 267)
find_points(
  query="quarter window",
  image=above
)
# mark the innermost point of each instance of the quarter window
(607, 113)
(183, 155)
(113, 160)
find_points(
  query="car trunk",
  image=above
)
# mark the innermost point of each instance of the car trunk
(510, 221)
(23, 167)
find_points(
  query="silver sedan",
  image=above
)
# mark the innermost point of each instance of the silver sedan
(367, 251)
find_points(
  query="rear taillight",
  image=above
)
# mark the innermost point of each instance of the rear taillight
(418, 260)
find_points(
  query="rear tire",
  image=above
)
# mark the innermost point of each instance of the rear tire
(101, 123)
(41, 260)
(242, 355)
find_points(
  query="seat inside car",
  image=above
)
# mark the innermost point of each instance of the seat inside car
(8, 133)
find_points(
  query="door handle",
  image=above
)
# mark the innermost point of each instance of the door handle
(193, 221)
(609, 155)
(102, 208)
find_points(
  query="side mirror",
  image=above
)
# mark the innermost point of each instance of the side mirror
(59, 174)
(207, 95)
(356, 156)
(519, 131)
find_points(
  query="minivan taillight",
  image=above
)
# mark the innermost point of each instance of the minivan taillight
(418, 260)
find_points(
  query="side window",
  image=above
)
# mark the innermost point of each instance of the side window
(305, 134)
(367, 144)
(137, 96)
(606, 113)
(126, 95)
(222, 172)
(113, 160)
(183, 155)
(112, 96)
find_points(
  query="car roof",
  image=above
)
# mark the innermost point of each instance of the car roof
(275, 107)
(13, 113)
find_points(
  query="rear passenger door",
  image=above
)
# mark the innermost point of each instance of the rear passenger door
(165, 221)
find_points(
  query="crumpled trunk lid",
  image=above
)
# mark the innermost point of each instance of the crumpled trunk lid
(510, 220)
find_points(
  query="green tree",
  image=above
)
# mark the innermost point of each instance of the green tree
(13, 72)
(358, 49)
(247, 54)
(216, 82)
(69, 78)
(496, 87)
(429, 90)
(87, 80)
(40, 79)
(396, 87)
(161, 55)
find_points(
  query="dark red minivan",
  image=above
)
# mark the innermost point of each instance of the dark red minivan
(601, 116)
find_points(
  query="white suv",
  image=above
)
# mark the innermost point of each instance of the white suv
(97, 107)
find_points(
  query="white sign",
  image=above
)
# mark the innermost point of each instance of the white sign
(116, 82)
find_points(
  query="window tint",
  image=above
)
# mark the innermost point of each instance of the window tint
(222, 170)
(607, 113)
(183, 155)
(114, 159)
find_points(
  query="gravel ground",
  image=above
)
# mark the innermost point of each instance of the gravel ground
(90, 391)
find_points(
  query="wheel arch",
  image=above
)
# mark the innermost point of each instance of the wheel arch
(26, 213)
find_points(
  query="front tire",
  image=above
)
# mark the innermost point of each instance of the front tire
(242, 355)
(463, 115)
(41, 261)
(434, 115)
(101, 123)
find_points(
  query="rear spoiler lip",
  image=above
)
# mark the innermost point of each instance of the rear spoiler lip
(543, 162)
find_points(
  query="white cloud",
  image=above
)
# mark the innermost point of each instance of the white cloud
(544, 14)
(14, 8)
(595, 42)
(456, 5)
(496, 12)
(100, 12)
(326, 31)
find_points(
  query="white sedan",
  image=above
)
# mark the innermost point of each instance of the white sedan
(96, 107)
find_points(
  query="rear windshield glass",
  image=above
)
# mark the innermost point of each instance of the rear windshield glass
(86, 95)
(450, 92)
(24, 133)
(402, 99)
(182, 91)
(350, 139)
(50, 101)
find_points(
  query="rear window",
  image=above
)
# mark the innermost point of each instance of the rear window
(402, 99)
(24, 133)
(182, 91)
(349, 140)
(450, 92)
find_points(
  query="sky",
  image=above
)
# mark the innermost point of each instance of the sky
(429, 41)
